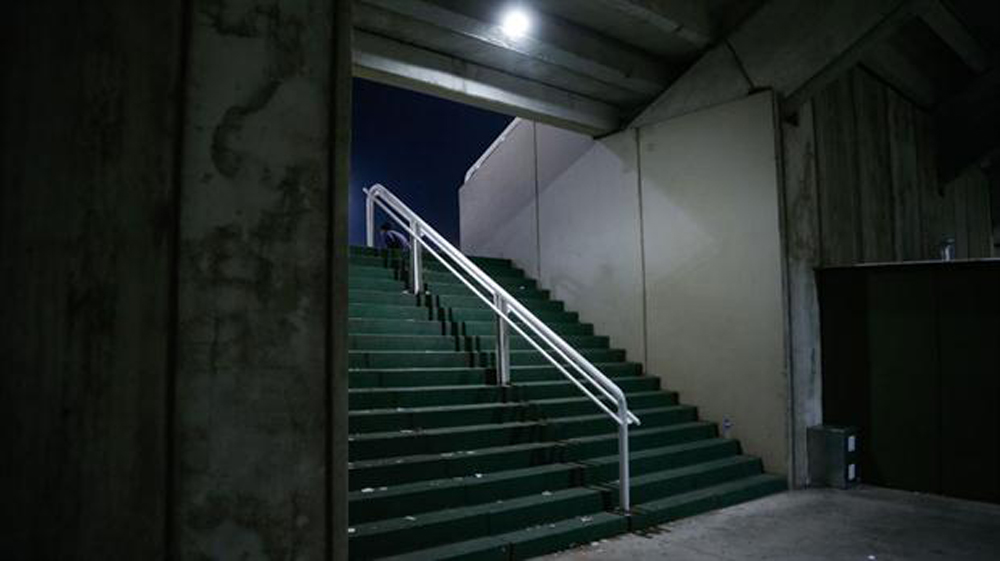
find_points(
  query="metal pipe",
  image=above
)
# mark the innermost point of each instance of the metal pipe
(623, 458)
(502, 342)
(415, 255)
(369, 219)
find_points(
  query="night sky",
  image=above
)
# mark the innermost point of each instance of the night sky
(419, 147)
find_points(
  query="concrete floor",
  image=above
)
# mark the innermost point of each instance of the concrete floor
(866, 524)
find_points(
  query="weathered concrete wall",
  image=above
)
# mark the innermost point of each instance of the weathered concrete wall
(173, 244)
(88, 118)
(251, 384)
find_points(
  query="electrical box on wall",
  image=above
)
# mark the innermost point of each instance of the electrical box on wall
(833, 456)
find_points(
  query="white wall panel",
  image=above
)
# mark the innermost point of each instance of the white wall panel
(715, 315)
(589, 231)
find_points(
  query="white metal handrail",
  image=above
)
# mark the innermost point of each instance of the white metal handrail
(511, 314)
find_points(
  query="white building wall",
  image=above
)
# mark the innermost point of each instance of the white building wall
(667, 239)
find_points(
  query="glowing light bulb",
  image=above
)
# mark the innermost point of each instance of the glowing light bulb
(515, 24)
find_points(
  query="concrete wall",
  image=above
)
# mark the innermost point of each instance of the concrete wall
(667, 239)
(173, 243)
(713, 268)
(87, 190)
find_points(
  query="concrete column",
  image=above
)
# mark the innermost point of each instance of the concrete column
(260, 363)
(88, 116)
(173, 276)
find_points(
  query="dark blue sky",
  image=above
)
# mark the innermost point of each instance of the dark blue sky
(418, 146)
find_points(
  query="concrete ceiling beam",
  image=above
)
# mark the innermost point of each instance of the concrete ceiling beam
(431, 37)
(688, 19)
(953, 32)
(796, 61)
(552, 42)
(388, 61)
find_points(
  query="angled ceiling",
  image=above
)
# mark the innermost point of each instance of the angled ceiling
(584, 65)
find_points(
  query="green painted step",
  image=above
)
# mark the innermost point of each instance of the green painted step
(382, 285)
(360, 295)
(488, 328)
(518, 343)
(410, 469)
(705, 499)
(457, 301)
(657, 485)
(563, 388)
(443, 376)
(386, 311)
(384, 420)
(372, 326)
(458, 289)
(370, 342)
(411, 359)
(370, 504)
(484, 314)
(382, 398)
(528, 542)
(532, 357)
(393, 536)
(367, 446)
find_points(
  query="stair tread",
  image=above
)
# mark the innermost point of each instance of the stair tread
(512, 424)
(473, 406)
(582, 529)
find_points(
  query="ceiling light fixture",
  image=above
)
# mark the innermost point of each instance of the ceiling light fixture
(515, 24)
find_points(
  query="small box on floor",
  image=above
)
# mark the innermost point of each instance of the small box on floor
(833, 456)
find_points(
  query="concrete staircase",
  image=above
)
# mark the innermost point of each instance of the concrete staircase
(447, 465)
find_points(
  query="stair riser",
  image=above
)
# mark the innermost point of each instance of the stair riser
(654, 514)
(411, 444)
(479, 523)
(497, 413)
(455, 465)
(488, 328)
(378, 311)
(452, 301)
(403, 343)
(592, 448)
(423, 397)
(394, 298)
(530, 358)
(566, 389)
(403, 378)
(459, 289)
(368, 507)
(486, 314)
(403, 359)
(518, 343)
(442, 396)
(647, 492)
(374, 326)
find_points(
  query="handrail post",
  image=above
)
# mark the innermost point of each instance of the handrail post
(623, 456)
(503, 342)
(416, 249)
(370, 218)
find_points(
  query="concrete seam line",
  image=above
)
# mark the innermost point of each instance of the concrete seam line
(538, 205)
(642, 246)
(171, 547)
